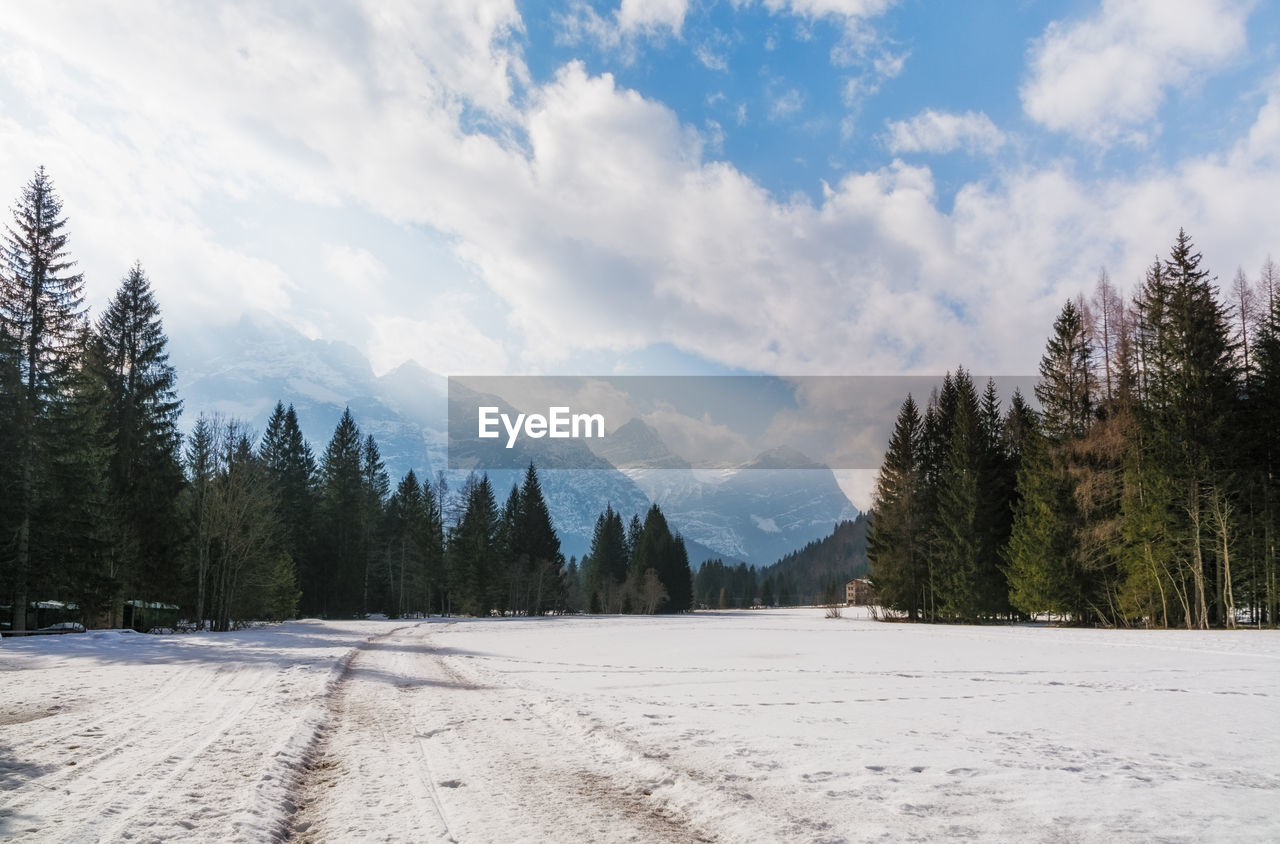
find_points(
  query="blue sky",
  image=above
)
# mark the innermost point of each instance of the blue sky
(648, 186)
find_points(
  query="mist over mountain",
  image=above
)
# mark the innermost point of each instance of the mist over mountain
(755, 513)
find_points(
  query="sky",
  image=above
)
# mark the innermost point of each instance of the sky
(795, 187)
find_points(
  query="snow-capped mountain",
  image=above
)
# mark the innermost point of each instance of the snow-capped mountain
(754, 513)
(262, 360)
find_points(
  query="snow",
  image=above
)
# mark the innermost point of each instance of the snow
(736, 726)
(766, 525)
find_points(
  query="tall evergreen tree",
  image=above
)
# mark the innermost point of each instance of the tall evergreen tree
(431, 542)
(43, 322)
(1044, 545)
(1264, 449)
(142, 409)
(1189, 381)
(81, 559)
(537, 542)
(472, 549)
(292, 466)
(375, 485)
(605, 566)
(403, 552)
(957, 544)
(997, 480)
(508, 588)
(896, 543)
(337, 590)
(201, 470)
(1065, 387)
(657, 550)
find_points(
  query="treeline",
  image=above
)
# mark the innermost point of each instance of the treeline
(818, 572)
(640, 567)
(88, 428)
(814, 574)
(1143, 490)
(104, 501)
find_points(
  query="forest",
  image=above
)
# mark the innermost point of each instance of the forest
(107, 504)
(1141, 492)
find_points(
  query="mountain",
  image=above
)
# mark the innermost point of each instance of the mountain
(754, 513)
(262, 360)
(822, 564)
(636, 446)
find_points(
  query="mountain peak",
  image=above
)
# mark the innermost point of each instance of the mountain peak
(636, 445)
(783, 457)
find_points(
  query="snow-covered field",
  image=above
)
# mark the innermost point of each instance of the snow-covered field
(737, 726)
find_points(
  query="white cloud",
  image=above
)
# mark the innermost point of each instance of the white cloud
(943, 132)
(710, 59)
(1263, 141)
(786, 104)
(652, 14)
(448, 339)
(590, 217)
(1104, 78)
(632, 20)
(848, 9)
(356, 267)
(698, 439)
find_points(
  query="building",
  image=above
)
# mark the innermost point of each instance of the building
(858, 592)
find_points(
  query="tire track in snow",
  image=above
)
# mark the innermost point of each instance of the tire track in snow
(309, 800)
(416, 749)
(87, 734)
(604, 779)
(160, 725)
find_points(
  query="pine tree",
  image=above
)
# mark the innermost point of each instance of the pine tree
(657, 550)
(82, 561)
(292, 465)
(43, 322)
(997, 479)
(537, 541)
(1043, 547)
(678, 578)
(142, 427)
(403, 553)
(634, 529)
(1264, 449)
(201, 470)
(337, 590)
(1189, 392)
(472, 549)
(896, 544)
(272, 447)
(957, 544)
(375, 485)
(430, 528)
(514, 566)
(1065, 387)
(605, 566)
